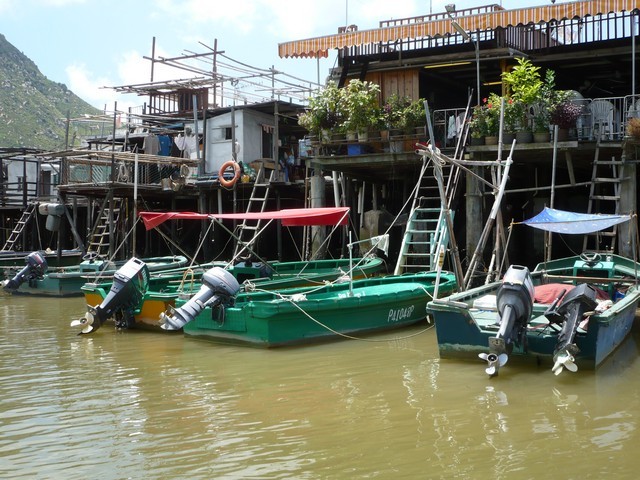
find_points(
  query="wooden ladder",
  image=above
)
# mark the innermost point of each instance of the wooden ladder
(248, 229)
(16, 233)
(101, 237)
(604, 197)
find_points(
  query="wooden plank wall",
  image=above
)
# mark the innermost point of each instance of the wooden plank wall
(403, 82)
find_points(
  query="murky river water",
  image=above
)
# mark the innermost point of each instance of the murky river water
(147, 405)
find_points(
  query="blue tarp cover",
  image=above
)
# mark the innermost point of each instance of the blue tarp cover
(559, 221)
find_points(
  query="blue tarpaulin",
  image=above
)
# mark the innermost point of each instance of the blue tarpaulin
(559, 221)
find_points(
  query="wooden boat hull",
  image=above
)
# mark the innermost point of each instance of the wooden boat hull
(68, 281)
(165, 287)
(330, 313)
(464, 331)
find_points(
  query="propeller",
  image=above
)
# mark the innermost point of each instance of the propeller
(494, 362)
(564, 360)
(86, 322)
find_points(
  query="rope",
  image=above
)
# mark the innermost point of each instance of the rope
(290, 299)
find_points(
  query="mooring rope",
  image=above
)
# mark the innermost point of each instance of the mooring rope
(291, 299)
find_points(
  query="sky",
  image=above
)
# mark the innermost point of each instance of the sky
(91, 44)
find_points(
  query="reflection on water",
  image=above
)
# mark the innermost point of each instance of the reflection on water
(149, 405)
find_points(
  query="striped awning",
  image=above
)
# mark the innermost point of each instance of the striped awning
(320, 46)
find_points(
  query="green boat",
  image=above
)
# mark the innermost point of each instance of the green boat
(36, 279)
(305, 315)
(12, 262)
(158, 292)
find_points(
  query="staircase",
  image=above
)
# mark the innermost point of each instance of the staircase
(248, 229)
(19, 228)
(604, 197)
(426, 227)
(100, 239)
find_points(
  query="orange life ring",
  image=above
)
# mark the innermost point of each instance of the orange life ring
(236, 168)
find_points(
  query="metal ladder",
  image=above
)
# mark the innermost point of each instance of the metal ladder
(27, 213)
(427, 232)
(426, 226)
(100, 239)
(604, 197)
(248, 229)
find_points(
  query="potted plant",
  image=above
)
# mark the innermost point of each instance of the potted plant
(361, 101)
(540, 119)
(325, 113)
(415, 117)
(564, 115)
(478, 128)
(393, 112)
(492, 104)
(633, 128)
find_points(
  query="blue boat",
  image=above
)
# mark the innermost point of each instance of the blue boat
(566, 313)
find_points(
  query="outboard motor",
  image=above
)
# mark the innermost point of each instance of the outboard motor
(35, 269)
(515, 303)
(130, 283)
(218, 286)
(579, 300)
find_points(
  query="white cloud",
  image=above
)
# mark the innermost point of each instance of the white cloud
(82, 82)
(60, 3)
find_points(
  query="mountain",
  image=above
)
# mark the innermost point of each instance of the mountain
(33, 109)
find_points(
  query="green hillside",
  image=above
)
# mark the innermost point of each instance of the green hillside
(33, 108)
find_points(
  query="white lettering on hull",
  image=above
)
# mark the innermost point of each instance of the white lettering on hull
(397, 314)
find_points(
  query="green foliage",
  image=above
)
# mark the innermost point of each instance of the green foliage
(361, 101)
(32, 108)
(523, 81)
(393, 111)
(415, 115)
(326, 110)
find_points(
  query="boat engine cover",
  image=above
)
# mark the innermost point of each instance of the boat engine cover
(516, 291)
(129, 284)
(217, 285)
(36, 266)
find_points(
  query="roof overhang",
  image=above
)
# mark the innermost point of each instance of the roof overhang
(320, 46)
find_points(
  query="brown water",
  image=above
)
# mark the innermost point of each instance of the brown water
(155, 406)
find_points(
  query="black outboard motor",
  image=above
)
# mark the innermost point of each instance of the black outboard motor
(130, 283)
(35, 269)
(570, 311)
(515, 303)
(218, 286)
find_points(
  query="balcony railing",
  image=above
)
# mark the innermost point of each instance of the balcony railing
(603, 119)
(103, 168)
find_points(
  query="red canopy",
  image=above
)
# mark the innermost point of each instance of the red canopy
(293, 217)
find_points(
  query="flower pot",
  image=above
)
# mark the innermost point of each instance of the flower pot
(563, 134)
(363, 136)
(325, 136)
(351, 136)
(384, 135)
(541, 137)
(508, 138)
(524, 137)
(475, 141)
(491, 140)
